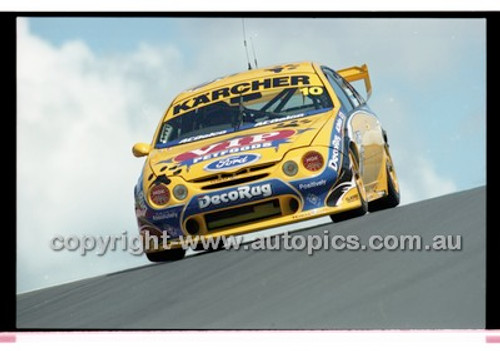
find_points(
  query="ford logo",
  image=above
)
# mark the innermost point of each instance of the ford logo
(231, 162)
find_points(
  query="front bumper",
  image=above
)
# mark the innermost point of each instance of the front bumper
(270, 222)
(287, 205)
(273, 199)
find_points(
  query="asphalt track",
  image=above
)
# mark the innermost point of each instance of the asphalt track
(291, 290)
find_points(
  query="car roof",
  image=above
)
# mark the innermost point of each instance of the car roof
(296, 67)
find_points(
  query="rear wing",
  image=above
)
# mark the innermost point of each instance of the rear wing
(355, 73)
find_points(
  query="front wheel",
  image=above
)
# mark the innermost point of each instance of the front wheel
(361, 191)
(393, 196)
(167, 255)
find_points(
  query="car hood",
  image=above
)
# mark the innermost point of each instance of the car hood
(230, 152)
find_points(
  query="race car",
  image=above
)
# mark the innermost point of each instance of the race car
(263, 148)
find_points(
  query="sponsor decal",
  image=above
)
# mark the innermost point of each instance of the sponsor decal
(312, 199)
(232, 146)
(341, 114)
(164, 215)
(313, 212)
(352, 198)
(203, 136)
(334, 162)
(238, 89)
(302, 215)
(163, 220)
(267, 189)
(336, 143)
(338, 125)
(231, 162)
(280, 119)
(240, 193)
(312, 184)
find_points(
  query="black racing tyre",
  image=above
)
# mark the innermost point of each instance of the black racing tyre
(339, 217)
(167, 255)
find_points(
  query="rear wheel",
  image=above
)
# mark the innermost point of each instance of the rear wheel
(393, 195)
(361, 191)
(167, 255)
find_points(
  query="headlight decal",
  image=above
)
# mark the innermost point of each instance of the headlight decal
(313, 161)
(159, 194)
(167, 219)
(290, 168)
(180, 192)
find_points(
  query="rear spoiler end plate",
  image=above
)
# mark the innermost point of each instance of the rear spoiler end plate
(355, 73)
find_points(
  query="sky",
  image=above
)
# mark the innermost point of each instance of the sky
(89, 88)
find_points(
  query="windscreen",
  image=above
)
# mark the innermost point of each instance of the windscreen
(244, 105)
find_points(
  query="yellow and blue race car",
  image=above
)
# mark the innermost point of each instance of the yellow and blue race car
(263, 148)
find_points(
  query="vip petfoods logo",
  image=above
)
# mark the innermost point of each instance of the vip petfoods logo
(235, 146)
(240, 193)
(232, 162)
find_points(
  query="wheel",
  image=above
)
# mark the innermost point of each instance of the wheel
(393, 194)
(361, 190)
(167, 255)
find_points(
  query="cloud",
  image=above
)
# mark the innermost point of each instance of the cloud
(420, 181)
(78, 116)
(80, 112)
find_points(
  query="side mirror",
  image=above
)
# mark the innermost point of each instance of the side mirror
(141, 149)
